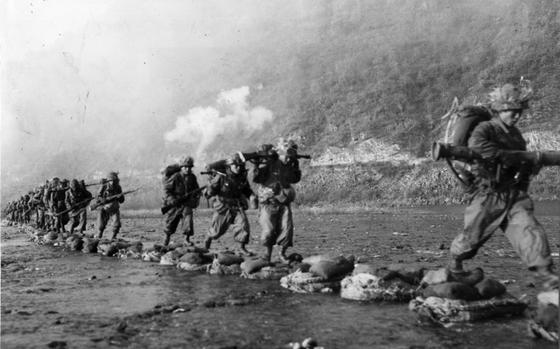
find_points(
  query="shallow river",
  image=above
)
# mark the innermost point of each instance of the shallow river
(55, 297)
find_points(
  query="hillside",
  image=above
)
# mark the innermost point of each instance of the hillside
(361, 85)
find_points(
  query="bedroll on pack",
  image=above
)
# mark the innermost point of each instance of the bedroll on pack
(271, 272)
(462, 122)
(304, 282)
(368, 287)
(442, 310)
(170, 171)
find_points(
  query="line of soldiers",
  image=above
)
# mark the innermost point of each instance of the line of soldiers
(229, 191)
(58, 203)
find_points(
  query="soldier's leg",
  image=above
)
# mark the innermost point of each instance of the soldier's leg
(241, 230)
(187, 227)
(528, 238)
(483, 216)
(74, 221)
(268, 220)
(286, 238)
(102, 219)
(116, 223)
(172, 219)
(221, 220)
(83, 222)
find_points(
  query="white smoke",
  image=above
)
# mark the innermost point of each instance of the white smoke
(231, 116)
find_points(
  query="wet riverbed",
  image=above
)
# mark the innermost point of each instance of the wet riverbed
(88, 301)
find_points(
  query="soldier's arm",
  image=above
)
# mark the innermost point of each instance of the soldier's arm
(214, 186)
(482, 141)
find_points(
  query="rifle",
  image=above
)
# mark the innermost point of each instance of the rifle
(212, 172)
(108, 199)
(86, 201)
(185, 197)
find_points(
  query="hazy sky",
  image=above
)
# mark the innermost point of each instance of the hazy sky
(103, 75)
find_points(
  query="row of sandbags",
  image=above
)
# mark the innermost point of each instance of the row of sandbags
(434, 294)
(85, 244)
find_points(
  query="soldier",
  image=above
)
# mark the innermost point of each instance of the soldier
(37, 201)
(110, 208)
(77, 199)
(229, 192)
(178, 181)
(56, 204)
(273, 178)
(500, 198)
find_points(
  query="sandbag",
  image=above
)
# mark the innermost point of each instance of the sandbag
(311, 260)
(151, 256)
(367, 287)
(489, 288)
(170, 258)
(332, 269)
(192, 258)
(303, 282)
(451, 290)
(51, 236)
(412, 274)
(439, 276)
(74, 242)
(228, 258)
(135, 247)
(107, 248)
(362, 268)
(253, 265)
(444, 310)
(89, 245)
(275, 272)
(192, 267)
(216, 268)
(544, 320)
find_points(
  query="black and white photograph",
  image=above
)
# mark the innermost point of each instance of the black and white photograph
(279, 174)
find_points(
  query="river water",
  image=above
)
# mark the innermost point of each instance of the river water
(57, 297)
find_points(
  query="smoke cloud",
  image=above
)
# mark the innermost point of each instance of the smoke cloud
(231, 117)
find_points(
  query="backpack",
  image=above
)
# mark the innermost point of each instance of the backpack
(462, 122)
(170, 171)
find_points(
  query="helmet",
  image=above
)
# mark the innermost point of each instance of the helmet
(74, 184)
(112, 176)
(187, 162)
(234, 160)
(510, 96)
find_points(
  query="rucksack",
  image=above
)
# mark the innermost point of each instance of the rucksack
(170, 170)
(462, 122)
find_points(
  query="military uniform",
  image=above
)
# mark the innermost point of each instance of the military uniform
(229, 194)
(110, 209)
(500, 198)
(175, 187)
(37, 201)
(75, 198)
(56, 199)
(273, 181)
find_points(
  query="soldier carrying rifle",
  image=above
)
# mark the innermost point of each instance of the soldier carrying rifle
(108, 198)
(229, 191)
(181, 196)
(500, 173)
(273, 179)
(77, 200)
